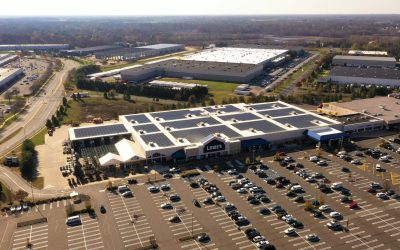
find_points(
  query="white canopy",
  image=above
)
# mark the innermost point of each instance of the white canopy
(110, 159)
(126, 150)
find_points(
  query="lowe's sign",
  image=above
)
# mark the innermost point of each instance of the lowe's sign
(213, 146)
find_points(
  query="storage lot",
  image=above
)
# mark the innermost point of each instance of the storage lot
(135, 222)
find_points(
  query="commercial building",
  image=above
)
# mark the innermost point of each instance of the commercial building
(213, 71)
(12, 47)
(364, 61)
(137, 53)
(366, 76)
(367, 53)
(7, 58)
(7, 77)
(205, 132)
(89, 50)
(175, 85)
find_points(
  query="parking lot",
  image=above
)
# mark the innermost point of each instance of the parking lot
(271, 201)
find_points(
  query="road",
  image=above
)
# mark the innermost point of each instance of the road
(42, 107)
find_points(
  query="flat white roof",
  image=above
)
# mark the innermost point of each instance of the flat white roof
(237, 55)
(6, 72)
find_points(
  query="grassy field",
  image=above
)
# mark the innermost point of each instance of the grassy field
(218, 90)
(38, 139)
(5, 196)
(92, 107)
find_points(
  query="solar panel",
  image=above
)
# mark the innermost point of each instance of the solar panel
(102, 130)
(280, 112)
(197, 134)
(139, 118)
(261, 125)
(176, 114)
(190, 123)
(262, 106)
(239, 117)
(301, 121)
(159, 138)
(226, 108)
(148, 128)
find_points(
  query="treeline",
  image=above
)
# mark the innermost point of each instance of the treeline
(37, 84)
(198, 93)
(82, 72)
(28, 160)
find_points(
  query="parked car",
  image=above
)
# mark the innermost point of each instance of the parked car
(312, 237)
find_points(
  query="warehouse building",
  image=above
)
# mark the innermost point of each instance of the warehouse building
(364, 61)
(13, 47)
(205, 132)
(253, 56)
(8, 76)
(89, 50)
(367, 53)
(213, 71)
(7, 58)
(366, 76)
(137, 53)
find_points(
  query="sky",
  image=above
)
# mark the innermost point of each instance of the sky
(194, 7)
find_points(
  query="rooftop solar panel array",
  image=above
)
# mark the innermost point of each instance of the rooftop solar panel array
(226, 108)
(159, 138)
(262, 106)
(239, 117)
(190, 123)
(98, 131)
(176, 114)
(139, 118)
(148, 128)
(197, 134)
(300, 121)
(260, 125)
(280, 112)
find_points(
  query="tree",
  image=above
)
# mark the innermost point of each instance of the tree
(49, 124)
(8, 96)
(55, 121)
(65, 102)
(211, 102)
(21, 195)
(112, 93)
(62, 110)
(247, 161)
(105, 95)
(28, 160)
(192, 99)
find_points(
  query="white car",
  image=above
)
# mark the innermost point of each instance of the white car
(12, 209)
(324, 208)
(258, 238)
(262, 244)
(249, 185)
(314, 159)
(382, 196)
(166, 205)
(335, 215)
(219, 198)
(379, 168)
(322, 163)
(384, 158)
(337, 185)
(341, 153)
(153, 189)
(242, 191)
(232, 171)
(290, 231)
(355, 161)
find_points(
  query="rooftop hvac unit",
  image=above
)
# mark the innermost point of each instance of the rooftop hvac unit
(293, 113)
(152, 144)
(275, 105)
(157, 118)
(141, 132)
(288, 125)
(268, 116)
(181, 140)
(234, 120)
(133, 121)
(168, 128)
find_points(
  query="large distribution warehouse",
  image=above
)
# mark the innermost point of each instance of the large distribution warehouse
(9, 47)
(364, 61)
(221, 64)
(205, 132)
(7, 76)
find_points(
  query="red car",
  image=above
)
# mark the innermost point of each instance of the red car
(280, 154)
(353, 205)
(371, 190)
(279, 185)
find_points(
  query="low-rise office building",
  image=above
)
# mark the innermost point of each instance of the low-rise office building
(205, 132)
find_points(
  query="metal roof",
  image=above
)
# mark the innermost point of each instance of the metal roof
(176, 114)
(147, 128)
(190, 123)
(280, 112)
(139, 118)
(260, 125)
(159, 46)
(197, 134)
(302, 121)
(159, 138)
(239, 117)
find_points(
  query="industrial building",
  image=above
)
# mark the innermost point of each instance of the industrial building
(366, 76)
(220, 64)
(364, 61)
(7, 77)
(137, 53)
(205, 132)
(175, 85)
(13, 47)
(213, 71)
(89, 50)
(7, 58)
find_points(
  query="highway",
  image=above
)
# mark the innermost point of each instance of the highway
(41, 108)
